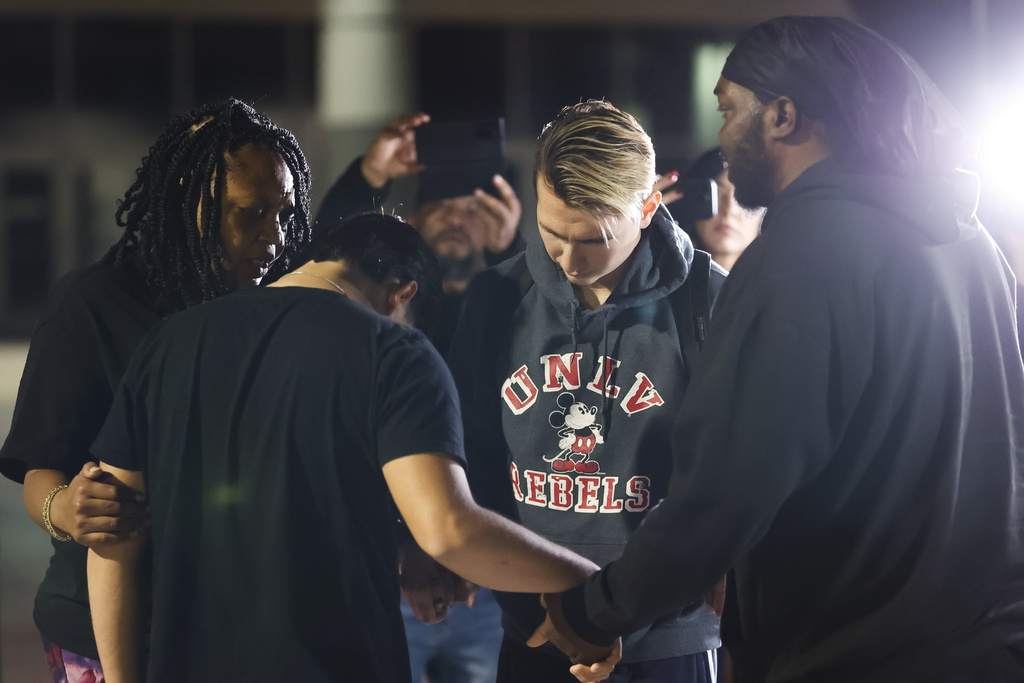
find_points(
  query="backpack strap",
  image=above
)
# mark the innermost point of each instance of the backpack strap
(693, 310)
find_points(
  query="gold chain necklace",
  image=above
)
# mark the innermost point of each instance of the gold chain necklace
(329, 281)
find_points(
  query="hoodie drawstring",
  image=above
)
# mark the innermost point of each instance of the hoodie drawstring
(607, 380)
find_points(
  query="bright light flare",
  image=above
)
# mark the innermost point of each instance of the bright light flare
(1001, 150)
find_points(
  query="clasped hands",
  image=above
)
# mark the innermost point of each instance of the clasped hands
(596, 662)
(428, 587)
(589, 662)
(431, 590)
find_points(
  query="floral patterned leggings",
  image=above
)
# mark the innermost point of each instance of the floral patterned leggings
(67, 667)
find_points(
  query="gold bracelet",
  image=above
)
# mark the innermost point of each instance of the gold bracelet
(46, 516)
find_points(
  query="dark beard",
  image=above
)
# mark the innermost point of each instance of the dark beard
(751, 172)
(457, 269)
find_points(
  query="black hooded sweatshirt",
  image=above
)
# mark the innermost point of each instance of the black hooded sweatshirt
(854, 444)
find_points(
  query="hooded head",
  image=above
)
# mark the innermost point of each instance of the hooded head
(878, 108)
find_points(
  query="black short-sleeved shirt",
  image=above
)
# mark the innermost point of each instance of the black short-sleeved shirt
(260, 422)
(94, 320)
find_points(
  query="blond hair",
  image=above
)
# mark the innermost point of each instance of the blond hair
(597, 158)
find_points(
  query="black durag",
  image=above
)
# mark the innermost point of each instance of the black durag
(883, 110)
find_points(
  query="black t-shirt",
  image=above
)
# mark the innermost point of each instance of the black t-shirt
(94, 320)
(260, 422)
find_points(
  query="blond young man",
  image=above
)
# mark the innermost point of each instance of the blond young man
(570, 364)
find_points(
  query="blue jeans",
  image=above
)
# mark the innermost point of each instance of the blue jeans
(522, 664)
(461, 649)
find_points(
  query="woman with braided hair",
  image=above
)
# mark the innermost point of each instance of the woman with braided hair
(221, 200)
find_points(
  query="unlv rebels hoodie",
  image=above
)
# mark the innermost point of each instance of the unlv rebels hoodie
(568, 411)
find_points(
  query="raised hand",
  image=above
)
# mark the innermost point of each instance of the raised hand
(666, 181)
(393, 153)
(500, 216)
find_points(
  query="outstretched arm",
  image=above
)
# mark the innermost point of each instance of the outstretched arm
(433, 497)
(114, 597)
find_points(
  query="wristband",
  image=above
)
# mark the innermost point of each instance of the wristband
(46, 516)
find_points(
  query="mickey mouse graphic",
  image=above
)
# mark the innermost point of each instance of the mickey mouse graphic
(578, 434)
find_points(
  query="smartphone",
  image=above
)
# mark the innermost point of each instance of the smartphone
(459, 156)
(699, 200)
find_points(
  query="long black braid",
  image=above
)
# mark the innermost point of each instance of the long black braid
(185, 170)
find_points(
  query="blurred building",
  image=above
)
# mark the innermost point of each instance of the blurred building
(86, 86)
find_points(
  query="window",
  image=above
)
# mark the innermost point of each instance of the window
(26, 52)
(124, 64)
(26, 222)
(461, 72)
(262, 63)
(566, 66)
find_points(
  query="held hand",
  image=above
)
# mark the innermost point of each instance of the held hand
(97, 511)
(588, 673)
(598, 671)
(429, 588)
(556, 631)
(465, 591)
(500, 215)
(393, 154)
(715, 598)
(667, 180)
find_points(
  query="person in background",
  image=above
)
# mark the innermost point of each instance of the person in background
(727, 233)
(221, 200)
(468, 230)
(857, 418)
(274, 433)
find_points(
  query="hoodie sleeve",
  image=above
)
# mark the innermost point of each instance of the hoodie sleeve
(351, 195)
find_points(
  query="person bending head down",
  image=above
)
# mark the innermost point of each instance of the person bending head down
(223, 165)
(277, 434)
(594, 176)
(393, 269)
(222, 195)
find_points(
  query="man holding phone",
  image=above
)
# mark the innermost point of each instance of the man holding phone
(467, 215)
